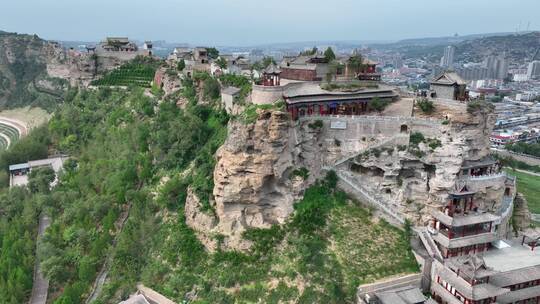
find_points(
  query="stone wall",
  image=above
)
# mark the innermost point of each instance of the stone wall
(298, 74)
(266, 95)
(443, 91)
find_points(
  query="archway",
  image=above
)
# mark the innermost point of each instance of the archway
(404, 129)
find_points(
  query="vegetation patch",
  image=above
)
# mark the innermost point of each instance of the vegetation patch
(137, 73)
(250, 114)
(478, 105)
(349, 86)
(302, 172)
(525, 148)
(316, 247)
(529, 186)
(426, 105)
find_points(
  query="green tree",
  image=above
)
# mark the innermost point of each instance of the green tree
(426, 105)
(222, 63)
(213, 53)
(181, 65)
(329, 54)
(378, 104)
(40, 179)
(356, 63)
(211, 88)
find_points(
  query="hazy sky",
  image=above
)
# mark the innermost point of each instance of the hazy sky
(245, 22)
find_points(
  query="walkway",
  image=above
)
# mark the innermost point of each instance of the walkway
(398, 139)
(41, 284)
(528, 159)
(363, 195)
(528, 172)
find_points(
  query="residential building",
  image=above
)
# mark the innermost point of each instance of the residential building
(533, 70)
(447, 60)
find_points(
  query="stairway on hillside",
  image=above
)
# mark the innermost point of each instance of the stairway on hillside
(363, 194)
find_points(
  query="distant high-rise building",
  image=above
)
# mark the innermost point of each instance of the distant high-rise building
(447, 59)
(397, 62)
(497, 67)
(533, 71)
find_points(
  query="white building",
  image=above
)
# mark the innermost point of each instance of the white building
(448, 58)
(533, 71)
(18, 173)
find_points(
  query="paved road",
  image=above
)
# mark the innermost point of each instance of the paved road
(41, 284)
(527, 172)
(533, 161)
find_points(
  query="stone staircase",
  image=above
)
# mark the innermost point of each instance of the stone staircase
(427, 240)
(355, 189)
(396, 139)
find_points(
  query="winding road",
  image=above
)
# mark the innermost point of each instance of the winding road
(41, 284)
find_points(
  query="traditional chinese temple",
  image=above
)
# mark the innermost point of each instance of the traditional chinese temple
(310, 99)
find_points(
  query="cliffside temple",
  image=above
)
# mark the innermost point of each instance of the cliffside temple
(309, 99)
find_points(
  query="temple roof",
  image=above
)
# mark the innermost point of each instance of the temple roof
(518, 295)
(464, 220)
(486, 161)
(403, 295)
(517, 276)
(473, 292)
(469, 240)
(448, 78)
(272, 69)
(473, 266)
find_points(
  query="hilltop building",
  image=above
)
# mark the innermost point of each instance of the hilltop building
(304, 68)
(236, 65)
(296, 82)
(120, 48)
(118, 44)
(195, 59)
(449, 85)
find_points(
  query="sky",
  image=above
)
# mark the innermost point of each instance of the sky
(252, 22)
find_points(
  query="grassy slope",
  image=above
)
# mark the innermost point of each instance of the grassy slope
(329, 247)
(529, 185)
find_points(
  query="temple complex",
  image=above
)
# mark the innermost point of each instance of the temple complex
(478, 259)
(297, 81)
(308, 99)
(118, 44)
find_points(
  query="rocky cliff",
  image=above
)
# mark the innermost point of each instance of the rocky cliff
(253, 188)
(23, 72)
(416, 178)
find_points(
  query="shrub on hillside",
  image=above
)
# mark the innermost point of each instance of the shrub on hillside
(426, 106)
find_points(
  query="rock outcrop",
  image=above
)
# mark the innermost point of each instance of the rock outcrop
(252, 185)
(522, 215)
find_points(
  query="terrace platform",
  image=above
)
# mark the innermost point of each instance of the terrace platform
(513, 257)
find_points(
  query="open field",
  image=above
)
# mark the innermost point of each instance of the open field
(529, 185)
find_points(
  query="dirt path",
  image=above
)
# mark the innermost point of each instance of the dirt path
(41, 284)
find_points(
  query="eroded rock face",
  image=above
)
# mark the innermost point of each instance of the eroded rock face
(411, 182)
(522, 216)
(252, 185)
